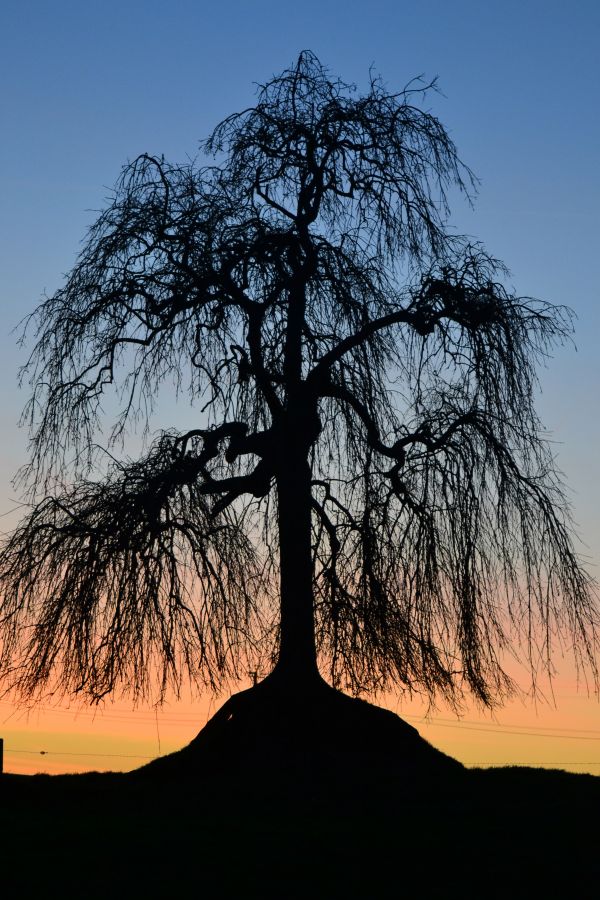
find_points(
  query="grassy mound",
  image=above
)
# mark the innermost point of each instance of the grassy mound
(295, 737)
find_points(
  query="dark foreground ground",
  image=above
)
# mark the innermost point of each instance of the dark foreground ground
(483, 833)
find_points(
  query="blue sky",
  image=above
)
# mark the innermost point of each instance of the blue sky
(84, 86)
(87, 85)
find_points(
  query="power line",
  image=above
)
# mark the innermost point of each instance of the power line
(466, 724)
(71, 753)
(144, 756)
(144, 718)
(432, 720)
(502, 730)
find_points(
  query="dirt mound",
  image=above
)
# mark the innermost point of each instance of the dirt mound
(298, 738)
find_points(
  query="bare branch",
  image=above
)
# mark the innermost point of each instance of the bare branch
(366, 431)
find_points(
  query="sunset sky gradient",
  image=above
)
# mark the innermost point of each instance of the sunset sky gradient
(85, 87)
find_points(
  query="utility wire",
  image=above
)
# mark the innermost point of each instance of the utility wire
(435, 720)
(143, 756)
(467, 724)
(567, 737)
(70, 753)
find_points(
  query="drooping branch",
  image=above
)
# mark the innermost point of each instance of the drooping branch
(136, 578)
(468, 547)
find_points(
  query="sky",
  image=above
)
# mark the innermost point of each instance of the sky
(84, 87)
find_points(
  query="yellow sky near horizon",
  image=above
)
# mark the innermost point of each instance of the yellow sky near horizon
(564, 733)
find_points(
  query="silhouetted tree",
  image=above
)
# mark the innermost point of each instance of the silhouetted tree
(367, 481)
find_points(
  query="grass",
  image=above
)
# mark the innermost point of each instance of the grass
(503, 833)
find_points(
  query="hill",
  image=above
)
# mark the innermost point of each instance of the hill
(501, 833)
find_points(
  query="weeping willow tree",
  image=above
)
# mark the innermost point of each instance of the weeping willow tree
(367, 494)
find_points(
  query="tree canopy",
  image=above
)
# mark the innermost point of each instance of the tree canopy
(368, 483)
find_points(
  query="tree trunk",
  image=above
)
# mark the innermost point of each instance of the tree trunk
(297, 653)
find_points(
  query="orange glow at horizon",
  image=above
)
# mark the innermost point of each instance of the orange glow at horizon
(563, 734)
